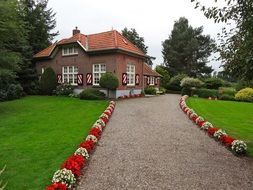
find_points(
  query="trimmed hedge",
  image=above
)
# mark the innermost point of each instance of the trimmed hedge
(150, 90)
(91, 94)
(213, 83)
(205, 93)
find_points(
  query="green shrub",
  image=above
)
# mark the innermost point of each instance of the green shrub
(186, 91)
(14, 91)
(205, 93)
(64, 90)
(91, 94)
(163, 90)
(227, 90)
(150, 90)
(175, 81)
(245, 94)
(227, 97)
(213, 83)
(189, 82)
(48, 82)
(109, 81)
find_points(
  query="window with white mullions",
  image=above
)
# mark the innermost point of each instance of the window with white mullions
(69, 51)
(69, 74)
(130, 75)
(152, 81)
(98, 71)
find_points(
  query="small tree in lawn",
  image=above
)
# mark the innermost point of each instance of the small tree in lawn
(48, 81)
(109, 81)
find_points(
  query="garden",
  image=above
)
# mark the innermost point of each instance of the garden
(38, 133)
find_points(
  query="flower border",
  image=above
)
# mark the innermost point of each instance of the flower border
(236, 146)
(66, 177)
(131, 96)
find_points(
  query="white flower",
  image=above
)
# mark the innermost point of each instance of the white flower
(92, 138)
(193, 115)
(207, 125)
(96, 125)
(101, 122)
(104, 115)
(83, 152)
(239, 146)
(219, 133)
(199, 119)
(190, 111)
(64, 176)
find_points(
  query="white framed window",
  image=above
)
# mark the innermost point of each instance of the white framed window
(69, 74)
(98, 70)
(152, 81)
(69, 51)
(130, 75)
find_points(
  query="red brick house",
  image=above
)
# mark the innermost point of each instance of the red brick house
(81, 60)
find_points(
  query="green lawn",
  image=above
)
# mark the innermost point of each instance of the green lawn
(236, 118)
(38, 133)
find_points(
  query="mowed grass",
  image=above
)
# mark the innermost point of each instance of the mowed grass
(236, 118)
(38, 133)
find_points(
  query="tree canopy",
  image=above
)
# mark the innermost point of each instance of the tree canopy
(133, 36)
(26, 27)
(236, 44)
(187, 50)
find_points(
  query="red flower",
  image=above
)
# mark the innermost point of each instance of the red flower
(107, 113)
(96, 132)
(74, 163)
(88, 145)
(200, 123)
(105, 120)
(57, 186)
(194, 118)
(226, 140)
(211, 131)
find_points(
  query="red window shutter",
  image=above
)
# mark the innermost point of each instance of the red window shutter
(148, 78)
(59, 78)
(89, 79)
(124, 78)
(80, 79)
(156, 80)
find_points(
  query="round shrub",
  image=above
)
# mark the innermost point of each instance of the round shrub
(150, 90)
(64, 90)
(91, 94)
(175, 81)
(213, 83)
(189, 82)
(186, 91)
(245, 95)
(48, 82)
(14, 91)
(109, 81)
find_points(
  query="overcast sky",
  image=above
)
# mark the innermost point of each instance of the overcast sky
(153, 19)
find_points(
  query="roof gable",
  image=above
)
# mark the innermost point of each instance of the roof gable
(95, 42)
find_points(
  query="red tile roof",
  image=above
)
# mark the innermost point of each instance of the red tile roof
(147, 70)
(95, 42)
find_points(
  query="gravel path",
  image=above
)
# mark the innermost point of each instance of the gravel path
(150, 144)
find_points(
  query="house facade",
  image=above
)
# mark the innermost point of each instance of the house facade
(81, 60)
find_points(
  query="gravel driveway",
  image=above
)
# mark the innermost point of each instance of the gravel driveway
(150, 144)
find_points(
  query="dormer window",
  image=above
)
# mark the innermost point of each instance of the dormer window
(72, 50)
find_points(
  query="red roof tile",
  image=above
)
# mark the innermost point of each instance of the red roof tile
(94, 42)
(147, 70)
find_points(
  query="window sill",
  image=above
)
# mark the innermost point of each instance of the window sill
(66, 55)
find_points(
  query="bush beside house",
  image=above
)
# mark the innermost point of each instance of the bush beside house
(91, 94)
(109, 81)
(48, 82)
(150, 90)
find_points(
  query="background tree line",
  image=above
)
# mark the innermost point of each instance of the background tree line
(26, 27)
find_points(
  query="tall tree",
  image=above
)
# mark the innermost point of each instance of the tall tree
(39, 22)
(236, 44)
(12, 44)
(187, 50)
(133, 36)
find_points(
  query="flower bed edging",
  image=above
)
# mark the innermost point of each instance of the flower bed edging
(66, 177)
(236, 146)
(131, 96)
